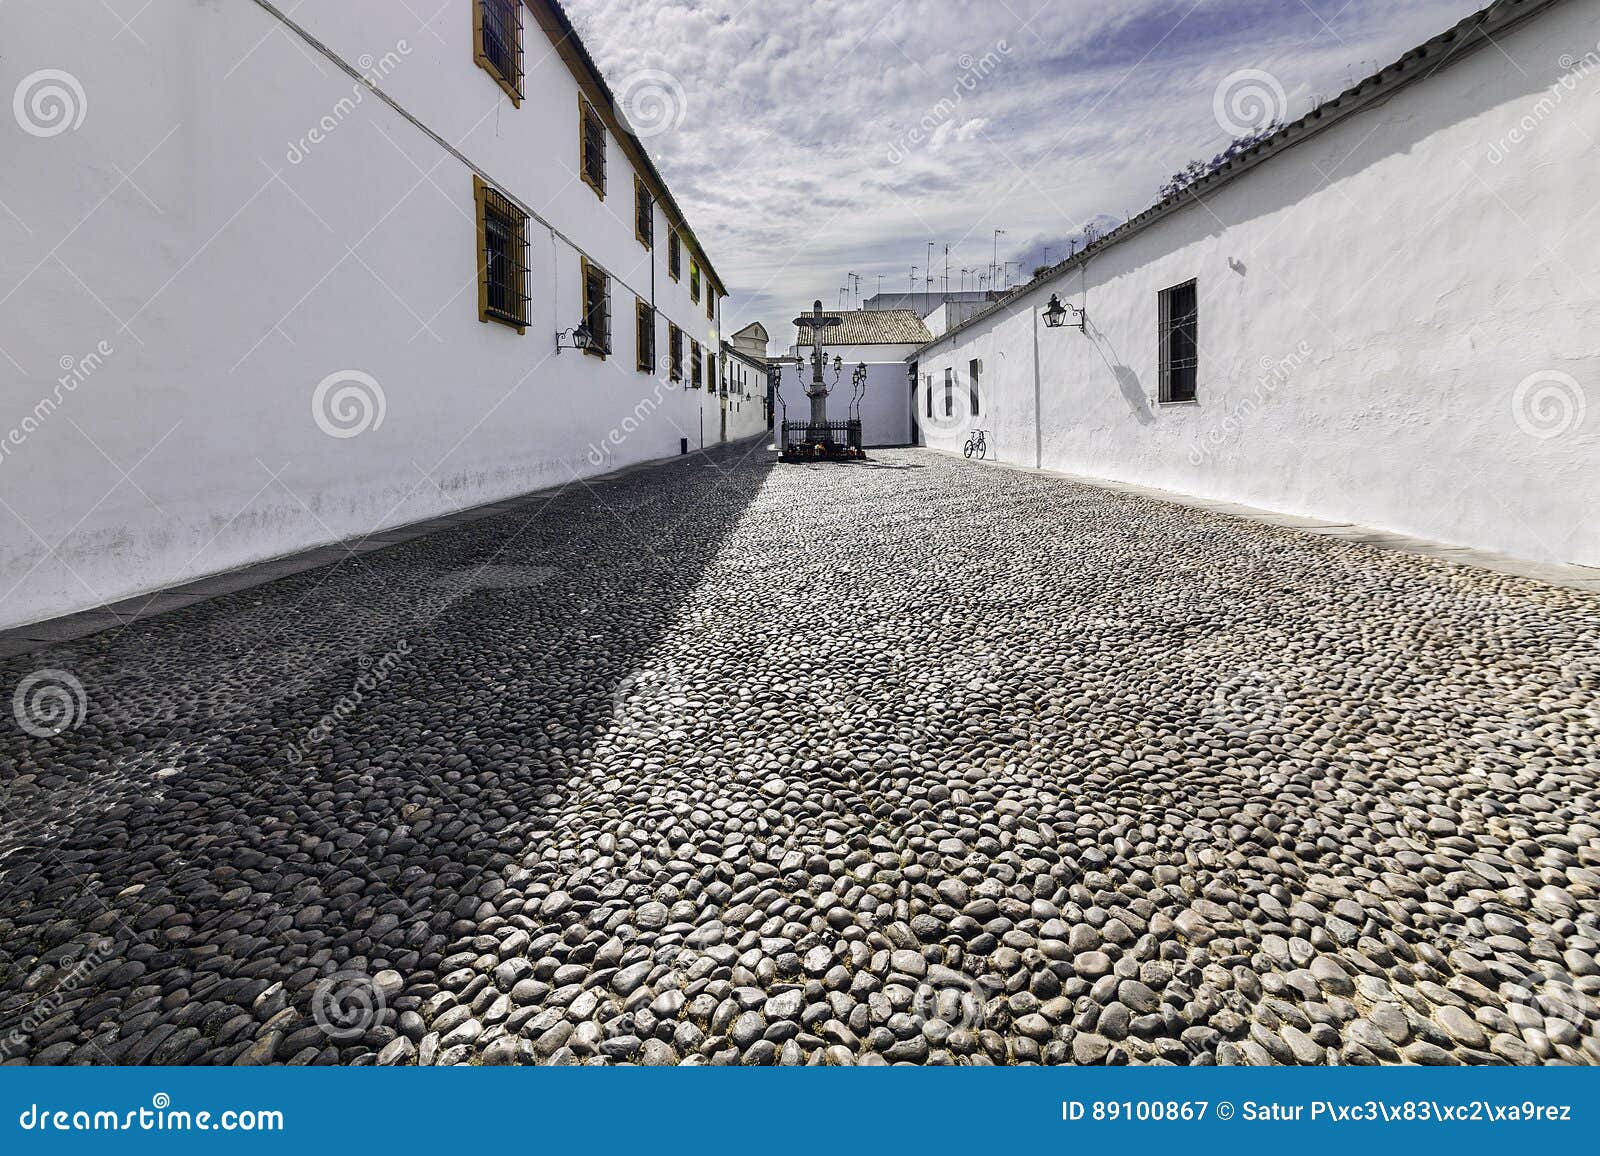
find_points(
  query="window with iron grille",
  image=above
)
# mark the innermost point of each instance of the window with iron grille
(927, 387)
(973, 367)
(1179, 336)
(597, 308)
(645, 337)
(502, 258)
(696, 380)
(674, 352)
(644, 213)
(592, 136)
(949, 393)
(497, 41)
(694, 280)
(711, 302)
(674, 256)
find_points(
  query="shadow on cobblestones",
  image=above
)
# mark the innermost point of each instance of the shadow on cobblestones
(283, 806)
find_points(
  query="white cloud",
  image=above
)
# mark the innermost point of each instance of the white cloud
(817, 139)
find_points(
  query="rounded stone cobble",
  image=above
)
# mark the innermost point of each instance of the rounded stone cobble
(912, 761)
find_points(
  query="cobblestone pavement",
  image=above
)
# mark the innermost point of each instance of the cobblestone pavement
(735, 763)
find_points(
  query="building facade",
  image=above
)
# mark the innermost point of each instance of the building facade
(278, 278)
(1383, 314)
(742, 393)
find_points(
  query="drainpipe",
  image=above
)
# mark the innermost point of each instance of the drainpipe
(1038, 434)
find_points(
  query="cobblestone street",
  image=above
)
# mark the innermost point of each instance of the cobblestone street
(728, 762)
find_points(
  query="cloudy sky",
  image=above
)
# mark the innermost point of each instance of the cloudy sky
(810, 140)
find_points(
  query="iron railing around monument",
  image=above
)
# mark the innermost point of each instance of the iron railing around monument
(831, 434)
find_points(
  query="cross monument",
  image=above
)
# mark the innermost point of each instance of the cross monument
(818, 322)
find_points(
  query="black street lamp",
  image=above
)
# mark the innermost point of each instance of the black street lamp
(580, 335)
(1055, 314)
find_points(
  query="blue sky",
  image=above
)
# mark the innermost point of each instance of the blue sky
(810, 140)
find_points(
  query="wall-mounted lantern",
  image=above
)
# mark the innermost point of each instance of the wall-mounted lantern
(578, 337)
(1056, 314)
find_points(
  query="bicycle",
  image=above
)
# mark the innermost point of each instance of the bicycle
(977, 443)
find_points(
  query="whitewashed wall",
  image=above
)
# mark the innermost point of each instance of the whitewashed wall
(746, 413)
(1386, 310)
(202, 265)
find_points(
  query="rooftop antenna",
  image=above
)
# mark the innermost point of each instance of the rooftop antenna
(911, 285)
(994, 257)
(947, 270)
(879, 296)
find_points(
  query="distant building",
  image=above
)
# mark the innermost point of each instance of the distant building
(752, 340)
(923, 304)
(746, 404)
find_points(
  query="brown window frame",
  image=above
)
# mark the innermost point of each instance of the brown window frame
(694, 280)
(599, 334)
(644, 336)
(674, 255)
(589, 115)
(696, 370)
(711, 302)
(674, 352)
(508, 77)
(514, 293)
(644, 213)
(1179, 375)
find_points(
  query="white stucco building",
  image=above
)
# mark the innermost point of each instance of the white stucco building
(1384, 314)
(881, 339)
(276, 276)
(742, 393)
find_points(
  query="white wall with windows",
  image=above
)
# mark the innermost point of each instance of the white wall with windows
(259, 284)
(1396, 324)
(742, 391)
